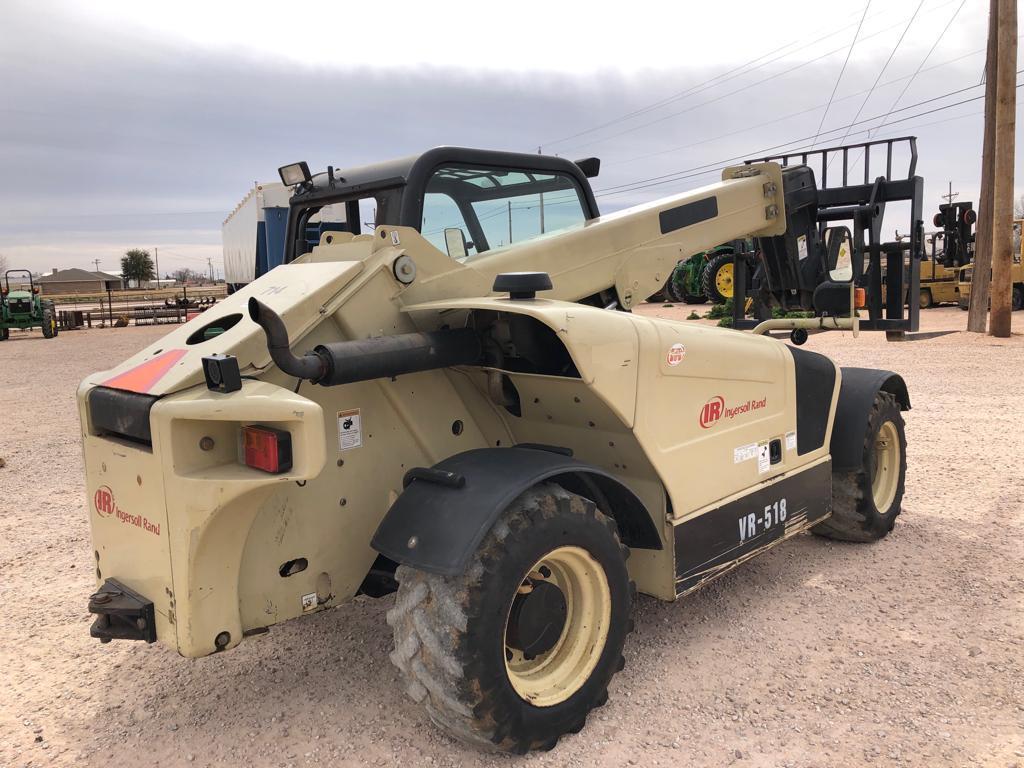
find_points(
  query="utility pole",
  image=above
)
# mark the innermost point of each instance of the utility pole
(982, 274)
(97, 263)
(510, 222)
(951, 196)
(1003, 162)
(156, 257)
(209, 262)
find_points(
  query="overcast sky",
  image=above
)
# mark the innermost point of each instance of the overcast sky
(140, 124)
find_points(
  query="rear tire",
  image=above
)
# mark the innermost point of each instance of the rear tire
(49, 325)
(717, 280)
(926, 299)
(866, 502)
(1017, 299)
(5, 334)
(460, 640)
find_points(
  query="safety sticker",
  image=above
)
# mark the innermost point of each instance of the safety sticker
(764, 460)
(801, 247)
(309, 602)
(791, 441)
(744, 453)
(394, 238)
(350, 429)
(676, 353)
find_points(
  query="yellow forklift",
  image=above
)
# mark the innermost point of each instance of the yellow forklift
(1016, 276)
(947, 252)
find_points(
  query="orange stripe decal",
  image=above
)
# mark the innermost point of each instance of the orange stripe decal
(144, 376)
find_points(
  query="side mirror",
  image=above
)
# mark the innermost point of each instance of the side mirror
(839, 254)
(455, 242)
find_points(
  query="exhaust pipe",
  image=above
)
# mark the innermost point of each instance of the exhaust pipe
(346, 362)
(309, 366)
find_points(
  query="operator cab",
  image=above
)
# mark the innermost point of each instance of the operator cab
(464, 201)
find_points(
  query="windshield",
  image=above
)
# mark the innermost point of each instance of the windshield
(496, 207)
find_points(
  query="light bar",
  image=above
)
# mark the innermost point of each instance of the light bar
(296, 173)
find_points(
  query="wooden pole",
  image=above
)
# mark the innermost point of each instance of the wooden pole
(977, 316)
(1002, 189)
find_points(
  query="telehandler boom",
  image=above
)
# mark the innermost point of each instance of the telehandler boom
(456, 406)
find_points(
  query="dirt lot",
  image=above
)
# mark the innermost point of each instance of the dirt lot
(908, 652)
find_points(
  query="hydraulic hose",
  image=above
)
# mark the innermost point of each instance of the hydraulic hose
(346, 362)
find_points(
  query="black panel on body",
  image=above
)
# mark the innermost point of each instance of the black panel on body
(708, 544)
(815, 383)
(437, 526)
(688, 214)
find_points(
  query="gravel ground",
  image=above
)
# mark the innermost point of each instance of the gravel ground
(906, 652)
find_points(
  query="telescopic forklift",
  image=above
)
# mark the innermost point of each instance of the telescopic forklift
(457, 404)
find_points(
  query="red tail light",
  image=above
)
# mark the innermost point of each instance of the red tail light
(267, 449)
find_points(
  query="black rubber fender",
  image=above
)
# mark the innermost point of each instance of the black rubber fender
(444, 513)
(856, 397)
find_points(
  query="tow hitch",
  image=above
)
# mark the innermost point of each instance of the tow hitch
(121, 614)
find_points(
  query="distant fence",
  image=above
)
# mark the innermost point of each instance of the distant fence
(120, 316)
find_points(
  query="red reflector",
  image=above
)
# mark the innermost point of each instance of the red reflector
(267, 448)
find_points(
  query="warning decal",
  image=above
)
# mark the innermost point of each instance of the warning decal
(350, 429)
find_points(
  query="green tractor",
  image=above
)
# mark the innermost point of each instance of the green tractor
(705, 275)
(21, 308)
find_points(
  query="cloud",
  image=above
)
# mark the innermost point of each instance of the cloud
(113, 137)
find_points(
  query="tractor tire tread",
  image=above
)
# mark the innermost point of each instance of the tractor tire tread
(431, 615)
(854, 517)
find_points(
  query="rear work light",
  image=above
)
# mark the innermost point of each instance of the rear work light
(267, 449)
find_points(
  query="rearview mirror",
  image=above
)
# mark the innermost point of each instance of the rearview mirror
(455, 242)
(839, 251)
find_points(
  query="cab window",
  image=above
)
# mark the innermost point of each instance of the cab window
(496, 207)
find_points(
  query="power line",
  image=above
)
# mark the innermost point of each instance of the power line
(748, 128)
(881, 72)
(686, 173)
(747, 87)
(724, 77)
(832, 130)
(841, 71)
(924, 60)
(855, 133)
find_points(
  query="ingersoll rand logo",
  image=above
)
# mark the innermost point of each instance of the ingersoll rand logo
(715, 410)
(106, 506)
(103, 500)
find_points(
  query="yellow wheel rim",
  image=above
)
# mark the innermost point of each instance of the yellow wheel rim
(552, 677)
(723, 280)
(887, 467)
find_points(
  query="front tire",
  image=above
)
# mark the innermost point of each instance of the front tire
(518, 649)
(866, 502)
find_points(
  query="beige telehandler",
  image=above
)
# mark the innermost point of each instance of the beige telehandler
(458, 405)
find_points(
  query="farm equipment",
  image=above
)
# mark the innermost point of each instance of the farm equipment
(458, 405)
(966, 275)
(706, 275)
(23, 309)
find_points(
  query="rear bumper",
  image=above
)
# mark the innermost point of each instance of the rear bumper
(121, 614)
